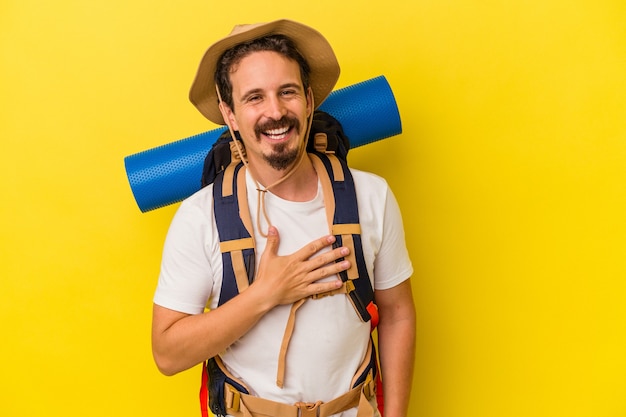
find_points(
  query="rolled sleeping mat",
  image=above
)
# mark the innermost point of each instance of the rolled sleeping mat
(170, 173)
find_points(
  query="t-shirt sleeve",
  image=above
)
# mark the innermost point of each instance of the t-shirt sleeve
(185, 280)
(392, 265)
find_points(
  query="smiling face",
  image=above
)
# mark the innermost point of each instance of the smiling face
(270, 108)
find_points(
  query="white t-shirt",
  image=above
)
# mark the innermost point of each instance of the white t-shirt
(329, 340)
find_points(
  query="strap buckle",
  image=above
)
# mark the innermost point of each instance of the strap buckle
(232, 397)
(308, 409)
(345, 288)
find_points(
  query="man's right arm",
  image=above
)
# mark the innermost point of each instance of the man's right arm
(181, 341)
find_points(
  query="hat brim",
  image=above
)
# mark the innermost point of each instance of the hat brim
(309, 42)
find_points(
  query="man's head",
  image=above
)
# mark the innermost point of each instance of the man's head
(310, 47)
(269, 108)
(230, 59)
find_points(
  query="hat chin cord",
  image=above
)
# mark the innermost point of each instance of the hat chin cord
(262, 191)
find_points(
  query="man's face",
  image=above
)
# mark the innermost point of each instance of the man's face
(270, 108)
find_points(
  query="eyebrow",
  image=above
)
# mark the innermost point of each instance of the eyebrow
(260, 90)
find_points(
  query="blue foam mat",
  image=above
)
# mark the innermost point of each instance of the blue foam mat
(170, 173)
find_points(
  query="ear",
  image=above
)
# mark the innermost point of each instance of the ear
(309, 102)
(228, 115)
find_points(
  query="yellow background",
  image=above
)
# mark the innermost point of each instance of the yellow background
(510, 174)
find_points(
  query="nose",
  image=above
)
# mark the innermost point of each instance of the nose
(275, 108)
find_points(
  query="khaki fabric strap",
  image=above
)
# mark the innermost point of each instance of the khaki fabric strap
(235, 248)
(337, 169)
(239, 268)
(320, 142)
(321, 145)
(242, 197)
(239, 244)
(282, 357)
(244, 405)
(346, 288)
(346, 229)
(348, 242)
(364, 364)
(227, 183)
(327, 188)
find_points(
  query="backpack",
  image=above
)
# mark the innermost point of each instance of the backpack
(329, 147)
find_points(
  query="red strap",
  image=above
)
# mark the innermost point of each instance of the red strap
(373, 310)
(204, 392)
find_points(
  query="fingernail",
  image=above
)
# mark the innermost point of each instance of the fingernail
(330, 239)
(345, 251)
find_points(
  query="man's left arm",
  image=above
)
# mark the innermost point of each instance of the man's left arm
(396, 344)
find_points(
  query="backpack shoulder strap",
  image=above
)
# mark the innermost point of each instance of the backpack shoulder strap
(343, 217)
(235, 232)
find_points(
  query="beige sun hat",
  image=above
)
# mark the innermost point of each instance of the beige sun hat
(309, 42)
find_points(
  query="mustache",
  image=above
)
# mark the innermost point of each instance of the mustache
(271, 124)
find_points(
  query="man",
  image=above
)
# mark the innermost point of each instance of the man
(264, 81)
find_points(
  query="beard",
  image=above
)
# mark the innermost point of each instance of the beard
(282, 157)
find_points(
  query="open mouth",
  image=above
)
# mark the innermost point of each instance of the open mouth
(277, 134)
(277, 130)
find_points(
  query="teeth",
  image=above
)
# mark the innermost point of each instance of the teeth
(277, 133)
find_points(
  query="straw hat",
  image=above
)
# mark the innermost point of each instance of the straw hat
(309, 42)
